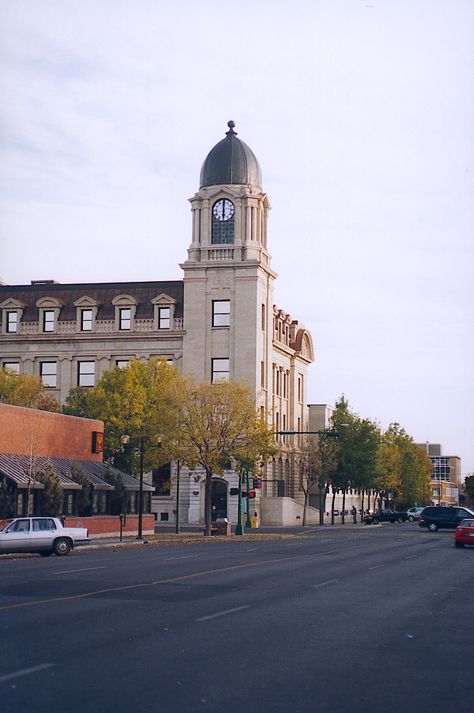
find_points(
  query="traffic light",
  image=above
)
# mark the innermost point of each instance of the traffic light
(251, 494)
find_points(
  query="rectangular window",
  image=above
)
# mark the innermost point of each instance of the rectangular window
(48, 374)
(264, 321)
(262, 373)
(220, 370)
(220, 313)
(300, 388)
(164, 318)
(12, 365)
(48, 320)
(125, 318)
(12, 322)
(86, 320)
(86, 373)
(122, 363)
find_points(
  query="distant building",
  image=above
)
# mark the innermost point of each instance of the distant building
(218, 323)
(445, 477)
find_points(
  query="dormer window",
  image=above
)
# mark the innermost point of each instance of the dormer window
(164, 317)
(12, 311)
(49, 308)
(164, 306)
(86, 313)
(12, 322)
(48, 320)
(86, 320)
(125, 318)
(125, 309)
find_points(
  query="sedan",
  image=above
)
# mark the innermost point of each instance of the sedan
(44, 535)
(464, 533)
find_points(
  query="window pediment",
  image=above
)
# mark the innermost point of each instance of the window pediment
(11, 303)
(86, 301)
(49, 303)
(124, 300)
(163, 299)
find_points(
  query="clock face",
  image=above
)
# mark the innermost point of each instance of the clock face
(223, 209)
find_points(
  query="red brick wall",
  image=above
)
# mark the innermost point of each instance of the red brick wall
(109, 525)
(47, 434)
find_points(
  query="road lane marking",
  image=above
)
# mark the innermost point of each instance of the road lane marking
(184, 557)
(141, 585)
(330, 552)
(410, 557)
(376, 566)
(71, 571)
(324, 584)
(25, 672)
(222, 613)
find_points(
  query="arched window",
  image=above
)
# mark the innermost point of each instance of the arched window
(222, 232)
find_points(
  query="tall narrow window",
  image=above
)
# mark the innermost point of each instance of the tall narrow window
(164, 317)
(12, 322)
(48, 373)
(48, 320)
(264, 319)
(220, 370)
(221, 313)
(125, 318)
(222, 231)
(262, 374)
(86, 320)
(86, 373)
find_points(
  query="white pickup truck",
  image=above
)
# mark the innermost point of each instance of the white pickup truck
(44, 535)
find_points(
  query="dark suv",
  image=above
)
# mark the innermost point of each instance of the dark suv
(439, 516)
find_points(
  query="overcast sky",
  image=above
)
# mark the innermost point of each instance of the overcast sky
(362, 117)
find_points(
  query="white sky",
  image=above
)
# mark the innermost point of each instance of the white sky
(362, 117)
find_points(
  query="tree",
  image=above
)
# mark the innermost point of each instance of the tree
(317, 461)
(404, 469)
(135, 401)
(214, 423)
(358, 442)
(118, 503)
(25, 390)
(52, 495)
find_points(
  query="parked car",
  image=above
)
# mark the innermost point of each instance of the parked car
(385, 515)
(464, 534)
(436, 517)
(414, 513)
(44, 535)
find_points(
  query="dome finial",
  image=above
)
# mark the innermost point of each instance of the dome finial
(231, 131)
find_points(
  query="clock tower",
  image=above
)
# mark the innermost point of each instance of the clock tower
(228, 281)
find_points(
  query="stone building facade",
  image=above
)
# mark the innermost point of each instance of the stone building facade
(219, 322)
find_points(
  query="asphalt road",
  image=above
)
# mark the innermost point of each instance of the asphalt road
(368, 619)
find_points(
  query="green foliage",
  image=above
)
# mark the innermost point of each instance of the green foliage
(134, 401)
(25, 390)
(403, 467)
(7, 499)
(52, 495)
(357, 445)
(213, 423)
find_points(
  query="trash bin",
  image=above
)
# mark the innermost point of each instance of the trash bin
(221, 526)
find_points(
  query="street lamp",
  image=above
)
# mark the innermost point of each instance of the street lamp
(125, 440)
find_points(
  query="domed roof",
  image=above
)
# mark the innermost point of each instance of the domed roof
(230, 161)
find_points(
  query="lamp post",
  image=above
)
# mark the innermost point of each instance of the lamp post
(239, 530)
(125, 440)
(176, 529)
